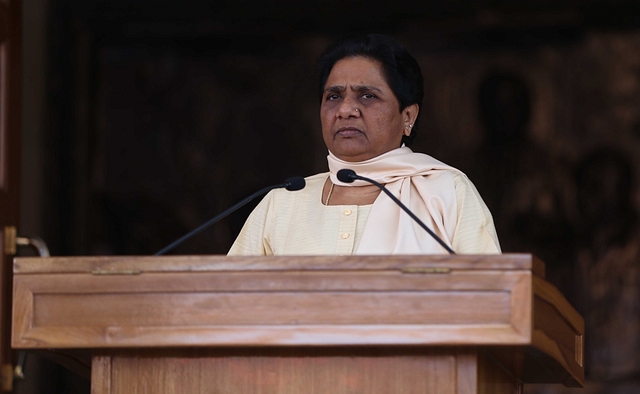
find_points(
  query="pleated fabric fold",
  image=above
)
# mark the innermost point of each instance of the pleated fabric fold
(425, 185)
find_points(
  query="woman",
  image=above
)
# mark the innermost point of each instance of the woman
(371, 92)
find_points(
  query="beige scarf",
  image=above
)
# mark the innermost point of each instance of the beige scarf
(423, 184)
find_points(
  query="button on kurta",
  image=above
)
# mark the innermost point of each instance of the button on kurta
(346, 234)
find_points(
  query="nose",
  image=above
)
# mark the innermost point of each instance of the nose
(348, 108)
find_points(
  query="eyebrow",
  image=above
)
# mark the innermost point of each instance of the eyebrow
(357, 88)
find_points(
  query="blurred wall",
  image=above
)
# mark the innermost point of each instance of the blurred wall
(144, 119)
(34, 88)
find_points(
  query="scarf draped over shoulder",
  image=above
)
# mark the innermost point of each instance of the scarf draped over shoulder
(424, 184)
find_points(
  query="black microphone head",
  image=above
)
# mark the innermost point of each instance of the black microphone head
(295, 183)
(346, 175)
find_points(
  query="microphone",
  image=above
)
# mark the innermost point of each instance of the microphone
(348, 176)
(291, 184)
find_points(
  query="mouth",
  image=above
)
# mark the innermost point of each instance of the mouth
(348, 131)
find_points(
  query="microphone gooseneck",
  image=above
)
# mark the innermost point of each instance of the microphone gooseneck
(347, 175)
(291, 184)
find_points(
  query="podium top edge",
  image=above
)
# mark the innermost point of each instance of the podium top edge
(213, 263)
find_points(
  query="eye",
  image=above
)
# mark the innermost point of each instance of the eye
(368, 96)
(332, 97)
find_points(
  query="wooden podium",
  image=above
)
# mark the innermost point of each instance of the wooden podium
(384, 324)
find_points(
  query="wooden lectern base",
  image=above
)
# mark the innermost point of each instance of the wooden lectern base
(306, 324)
(376, 370)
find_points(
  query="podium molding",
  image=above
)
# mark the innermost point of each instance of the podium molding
(435, 324)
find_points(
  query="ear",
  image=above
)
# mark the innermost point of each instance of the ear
(409, 116)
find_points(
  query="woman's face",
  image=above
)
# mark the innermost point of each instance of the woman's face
(360, 113)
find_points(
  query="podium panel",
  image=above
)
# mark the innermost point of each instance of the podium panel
(385, 323)
(300, 370)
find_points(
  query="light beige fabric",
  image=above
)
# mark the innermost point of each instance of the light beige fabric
(297, 223)
(423, 184)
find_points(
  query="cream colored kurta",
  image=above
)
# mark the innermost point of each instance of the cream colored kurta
(298, 223)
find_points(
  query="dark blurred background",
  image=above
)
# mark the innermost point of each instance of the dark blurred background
(144, 118)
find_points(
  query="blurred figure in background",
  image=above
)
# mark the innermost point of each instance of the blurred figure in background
(521, 182)
(608, 265)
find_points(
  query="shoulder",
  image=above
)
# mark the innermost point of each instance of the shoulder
(442, 182)
(313, 186)
(317, 180)
(461, 181)
(454, 188)
(453, 179)
(465, 190)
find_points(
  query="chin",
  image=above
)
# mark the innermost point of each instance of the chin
(354, 157)
(348, 150)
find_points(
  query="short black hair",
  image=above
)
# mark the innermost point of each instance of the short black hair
(400, 69)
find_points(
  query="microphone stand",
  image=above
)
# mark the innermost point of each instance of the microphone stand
(295, 183)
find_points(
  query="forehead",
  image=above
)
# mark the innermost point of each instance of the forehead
(357, 71)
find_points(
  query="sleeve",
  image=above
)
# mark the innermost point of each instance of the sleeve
(475, 232)
(253, 238)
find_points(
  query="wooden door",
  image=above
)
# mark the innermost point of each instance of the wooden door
(10, 112)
